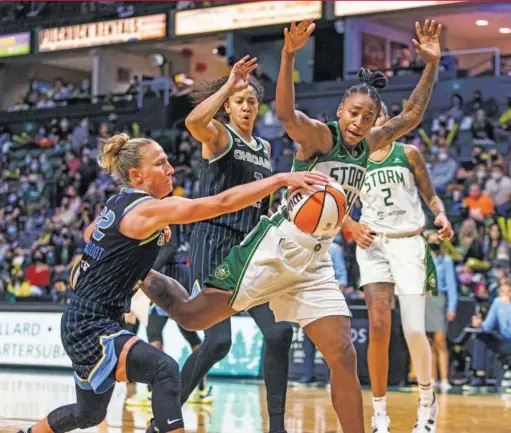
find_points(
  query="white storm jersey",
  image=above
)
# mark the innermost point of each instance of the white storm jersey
(346, 169)
(390, 198)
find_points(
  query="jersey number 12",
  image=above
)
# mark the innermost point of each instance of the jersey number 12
(105, 220)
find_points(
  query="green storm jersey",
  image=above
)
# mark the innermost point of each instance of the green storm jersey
(390, 198)
(348, 169)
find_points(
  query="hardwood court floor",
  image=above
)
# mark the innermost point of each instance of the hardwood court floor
(239, 407)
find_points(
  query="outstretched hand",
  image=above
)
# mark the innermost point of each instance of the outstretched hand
(428, 44)
(239, 78)
(307, 180)
(297, 35)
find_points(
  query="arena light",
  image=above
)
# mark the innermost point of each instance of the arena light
(505, 30)
(481, 23)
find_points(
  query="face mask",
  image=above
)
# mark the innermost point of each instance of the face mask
(434, 247)
(496, 175)
(456, 195)
(481, 174)
(442, 156)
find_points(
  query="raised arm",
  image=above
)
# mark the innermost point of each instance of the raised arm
(310, 134)
(154, 215)
(201, 123)
(429, 49)
(427, 191)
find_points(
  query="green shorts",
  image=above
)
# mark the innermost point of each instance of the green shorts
(279, 264)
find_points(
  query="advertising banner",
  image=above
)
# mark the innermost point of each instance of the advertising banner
(103, 33)
(244, 15)
(347, 8)
(33, 339)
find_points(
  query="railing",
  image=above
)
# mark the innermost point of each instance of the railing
(481, 61)
(156, 85)
(478, 65)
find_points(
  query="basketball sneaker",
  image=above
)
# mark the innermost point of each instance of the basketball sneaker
(380, 424)
(204, 396)
(426, 418)
(152, 427)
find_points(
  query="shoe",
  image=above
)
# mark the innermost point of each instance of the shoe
(278, 431)
(380, 424)
(304, 382)
(140, 399)
(476, 382)
(426, 418)
(204, 396)
(152, 427)
(445, 386)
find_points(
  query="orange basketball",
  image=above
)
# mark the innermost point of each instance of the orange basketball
(320, 212)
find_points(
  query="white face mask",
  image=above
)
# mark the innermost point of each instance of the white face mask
(481, 174)
(442, 156)
(496, 175)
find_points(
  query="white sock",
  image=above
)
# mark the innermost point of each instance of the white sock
(426, 394)
(380, 405)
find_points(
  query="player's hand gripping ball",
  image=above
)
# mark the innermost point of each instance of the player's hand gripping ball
(320, 212)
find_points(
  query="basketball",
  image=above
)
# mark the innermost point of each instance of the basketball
(319, 212)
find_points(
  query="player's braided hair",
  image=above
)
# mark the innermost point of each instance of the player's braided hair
(369, 83)
(202, 90)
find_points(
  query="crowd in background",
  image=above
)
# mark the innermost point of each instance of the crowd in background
(51, 188)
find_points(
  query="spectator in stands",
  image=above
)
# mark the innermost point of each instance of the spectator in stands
(498, 188)
(45, 102)
(505, 117)
(19, 286)
(38, 273)
(443, 171)
(455, 110)
(404, 64)
(480, 205)
(476, 102)
(21, 105)
(494, 244)
(448, 62)
(440, 310)
(483, 131)
(495, 333)
(467, 240)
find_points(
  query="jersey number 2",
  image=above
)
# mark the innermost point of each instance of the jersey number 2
(105, 220)
(386, 200)
(258, 176)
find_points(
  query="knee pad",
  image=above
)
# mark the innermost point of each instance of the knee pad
(167, 375)
(280, 337)
(218, 346)
(85, 419)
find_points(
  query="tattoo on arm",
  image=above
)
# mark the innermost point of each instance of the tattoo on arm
(423, 180)
(411, 115)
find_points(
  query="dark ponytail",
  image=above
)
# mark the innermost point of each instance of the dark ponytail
(369, 83)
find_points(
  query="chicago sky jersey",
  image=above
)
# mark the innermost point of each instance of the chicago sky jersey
(237, 164)
(112, 264)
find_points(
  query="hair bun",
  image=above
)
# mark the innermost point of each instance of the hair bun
(110, 151)
(376, 79)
